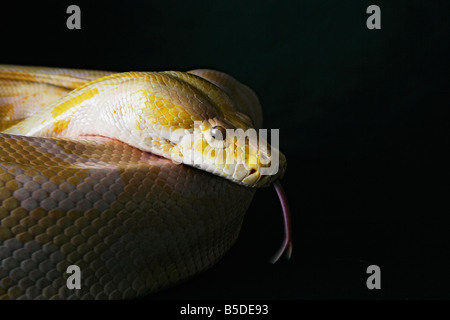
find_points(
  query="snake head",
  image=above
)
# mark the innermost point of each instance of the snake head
(194, 121)
(238, 154)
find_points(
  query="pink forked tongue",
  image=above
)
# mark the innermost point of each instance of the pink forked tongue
(286, 246)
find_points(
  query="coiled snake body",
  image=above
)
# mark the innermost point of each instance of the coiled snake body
(90, 176)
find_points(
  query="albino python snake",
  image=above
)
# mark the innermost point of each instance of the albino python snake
(92, 175)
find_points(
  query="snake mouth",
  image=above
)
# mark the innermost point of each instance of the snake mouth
(265, 175)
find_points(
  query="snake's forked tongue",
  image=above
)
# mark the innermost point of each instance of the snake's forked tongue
(286, 246)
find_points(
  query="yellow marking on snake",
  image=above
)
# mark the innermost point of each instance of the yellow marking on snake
(60, 126)
(78, 99)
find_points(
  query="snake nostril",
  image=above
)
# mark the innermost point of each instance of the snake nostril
(264, 160)
(252, 171)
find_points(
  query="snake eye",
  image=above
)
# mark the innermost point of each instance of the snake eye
(218, 133)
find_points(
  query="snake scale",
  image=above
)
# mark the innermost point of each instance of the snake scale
(91, 176)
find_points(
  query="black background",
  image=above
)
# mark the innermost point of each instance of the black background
(363, 118)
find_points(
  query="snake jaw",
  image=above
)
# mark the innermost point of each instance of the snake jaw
(252, 178)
